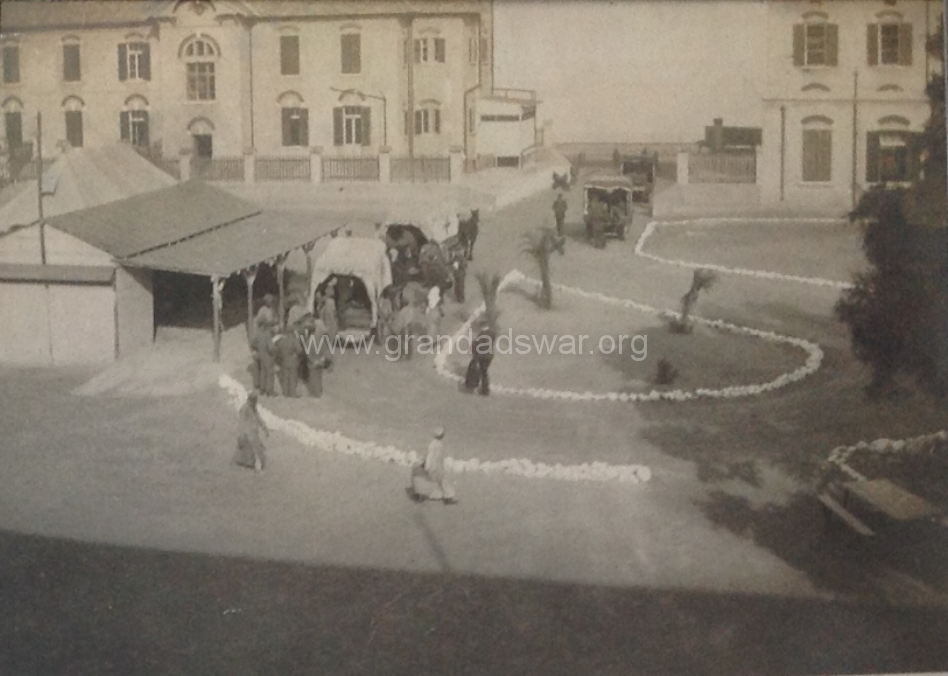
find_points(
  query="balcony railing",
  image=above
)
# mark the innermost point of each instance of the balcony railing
(350, 168)
(722, 168)
(421, 169)
(218, 168)
(282, 169)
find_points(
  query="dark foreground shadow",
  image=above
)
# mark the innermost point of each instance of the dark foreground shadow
(77, 609)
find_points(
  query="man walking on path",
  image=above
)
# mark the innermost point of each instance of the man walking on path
(427, 477)
(250, 449)
(481, 357)
(559, 212)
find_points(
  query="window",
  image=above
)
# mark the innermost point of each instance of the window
(817, 155)
(429, 50)
(351, 44)
(134, 127)
(74, 128)
(427, 121)
(11, 64)
(72, 71)
(289, 55)
(352, 126)
(295, 127)
(485, 52)
(889, 44)
(200, 55)
(815, 44)
(891, 156)
(203, 146)
(134, 61)
(13, 126)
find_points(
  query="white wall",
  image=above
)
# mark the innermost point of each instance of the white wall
(136, 313)
(637, 70)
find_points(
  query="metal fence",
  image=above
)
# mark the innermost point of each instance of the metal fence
(218, 168)
(722, 168)
(421, 169)
(350, 168)
(282, 169)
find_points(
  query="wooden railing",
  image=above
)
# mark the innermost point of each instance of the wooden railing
(421, 169)
(282, 169)
(218, 168)
(722, 168)
(350, 169)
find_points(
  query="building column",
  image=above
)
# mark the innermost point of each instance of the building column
(249, 166)
(682, 162)
(250, 274)
(316, 164)
(385, 164)
(217, 285)
(457, 163)
(280, 266)
(185, 169)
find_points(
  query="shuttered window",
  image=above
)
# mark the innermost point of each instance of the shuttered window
(134, 127)
(817, 155)
(295, 127)
(892, 156)
(72, 70)
(439, 50)
(13, 126)
(889, 44)
(289, 55)
(134, 61)
(74, 128)
(351, 44)
(428, 50)
(816, 44)
(11, 64)
(352, 126)
(427, 121)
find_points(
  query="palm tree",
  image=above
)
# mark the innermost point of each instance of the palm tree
(540, 244)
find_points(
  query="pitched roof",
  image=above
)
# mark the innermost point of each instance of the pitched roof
(154, 219)
(23, 15)
(62, 274)
(84, 178)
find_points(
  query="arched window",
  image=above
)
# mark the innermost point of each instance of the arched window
(428, 118)
(72, 112)
(294, 119)
(815, 41)
(200, 54)
(134, 121)
(817, 153)
(13, 122)
(892, 151)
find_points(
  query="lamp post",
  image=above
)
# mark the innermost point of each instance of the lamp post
(362, 95)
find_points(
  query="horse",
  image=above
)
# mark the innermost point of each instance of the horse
(467, 233)
(561, 182)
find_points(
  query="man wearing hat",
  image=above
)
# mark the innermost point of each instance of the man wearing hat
(427, 477)
(261, 345)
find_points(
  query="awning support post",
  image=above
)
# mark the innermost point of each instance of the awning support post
(216, 285)
(280, 268)
(250, 274)
(308, 250)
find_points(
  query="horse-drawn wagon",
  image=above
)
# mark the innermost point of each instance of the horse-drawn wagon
(607, 205)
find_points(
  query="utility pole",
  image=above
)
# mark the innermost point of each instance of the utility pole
(855, 133)
(39, 185)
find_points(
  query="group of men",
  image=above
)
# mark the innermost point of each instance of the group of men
(283, 350)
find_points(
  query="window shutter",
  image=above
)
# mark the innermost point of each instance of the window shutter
(71, 67)
(914, 143)
(905, 44)
(337, 135)
(439, 50)
(123, 62)
(11, 64)
(144, 63)
(418, 50)
(357, 53)
(872, 44)
(418, 122)
(304, 127)
(125, 133)
(832, 44)
(289, 55)
(143, 137)
(366, 126)
(287, 114)
(798, 44)
(437, 120)
(74, 128)
(14, 129)
(872, 156)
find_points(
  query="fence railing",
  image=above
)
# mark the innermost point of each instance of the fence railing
(282, 169)
(27, 170)
(421, 169)
(218, 168)
(722, 168)
(350, 169)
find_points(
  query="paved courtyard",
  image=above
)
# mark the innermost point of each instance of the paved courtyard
(178, 562)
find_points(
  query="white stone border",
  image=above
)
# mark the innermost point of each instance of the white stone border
(920, 444)
(338, 443)
(759, 274)
(812, 364)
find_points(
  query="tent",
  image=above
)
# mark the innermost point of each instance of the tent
(83, 178)
(360, 257)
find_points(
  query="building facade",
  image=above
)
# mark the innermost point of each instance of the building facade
(844, 98)
(218, 79)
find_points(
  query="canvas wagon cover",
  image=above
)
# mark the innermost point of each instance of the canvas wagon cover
(438, 222)
(359, 257)
(609, 182)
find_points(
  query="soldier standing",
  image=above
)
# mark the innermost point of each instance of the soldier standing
(559, 212)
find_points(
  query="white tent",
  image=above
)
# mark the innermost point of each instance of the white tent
(359, 257)
(83, 178)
